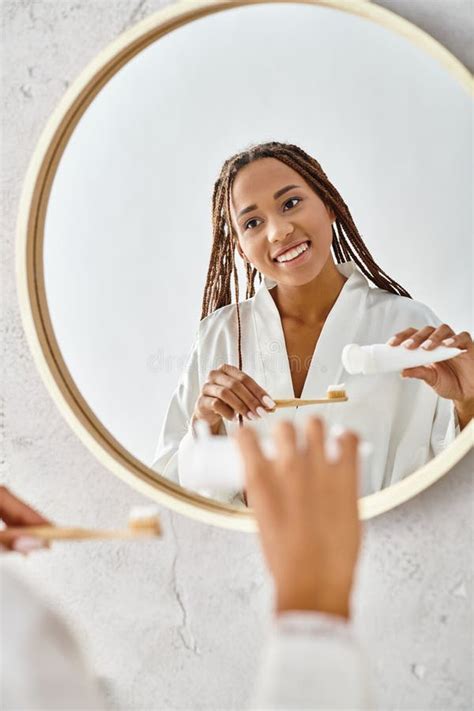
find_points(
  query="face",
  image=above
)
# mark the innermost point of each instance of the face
(283, 227)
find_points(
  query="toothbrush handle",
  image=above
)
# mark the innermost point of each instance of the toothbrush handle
(298, 402)
(56, 533)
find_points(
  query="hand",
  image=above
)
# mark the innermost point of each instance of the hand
(228, 392)
(452, 379)
(14, 512)
(306, 509)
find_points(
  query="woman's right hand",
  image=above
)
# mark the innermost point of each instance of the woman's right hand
(228, 393)
(305, 503)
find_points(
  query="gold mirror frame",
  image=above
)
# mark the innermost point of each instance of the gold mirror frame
(30, 274)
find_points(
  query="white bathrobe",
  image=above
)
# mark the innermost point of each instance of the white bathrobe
(311, 660)
(404, 419)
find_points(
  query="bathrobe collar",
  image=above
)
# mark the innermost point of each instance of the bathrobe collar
(340, 326)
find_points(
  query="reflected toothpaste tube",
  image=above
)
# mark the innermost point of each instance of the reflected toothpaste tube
(382, 358)
(215, 462)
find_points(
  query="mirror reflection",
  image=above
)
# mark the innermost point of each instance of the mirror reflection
(223, 224)
(320, 291)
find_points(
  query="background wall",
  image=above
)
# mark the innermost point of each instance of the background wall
(179, 623)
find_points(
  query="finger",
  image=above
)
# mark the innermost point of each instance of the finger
(260, 394)
(461, 340)
(348, 448)
(401, 336)
(213, 405)
(15, 512)
(252, 455)
(347, 466)
(241, 393)
(315, 434)
(260, 480)
(284, 435)
(427, 373)
(437, 337)
(418, 337)
(7, 538)
(21, 542)
(228, 398)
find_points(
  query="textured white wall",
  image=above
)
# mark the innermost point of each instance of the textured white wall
(178, 624)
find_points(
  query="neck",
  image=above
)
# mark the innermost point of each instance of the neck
(310, 303)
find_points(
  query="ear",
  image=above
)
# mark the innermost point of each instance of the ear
(331, 213)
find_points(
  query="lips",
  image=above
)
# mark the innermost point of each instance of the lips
(288, 248)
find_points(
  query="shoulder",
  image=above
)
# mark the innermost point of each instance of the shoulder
(224, 320)
(400, 309)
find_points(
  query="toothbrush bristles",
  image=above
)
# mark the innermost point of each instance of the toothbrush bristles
(145, 519)
(335, 392)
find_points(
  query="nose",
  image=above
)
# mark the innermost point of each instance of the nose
(278, 229)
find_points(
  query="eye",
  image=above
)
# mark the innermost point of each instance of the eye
(292, 200)
(247, 225)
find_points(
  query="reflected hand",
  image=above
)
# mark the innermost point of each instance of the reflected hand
(14, 512)
(452, 379)
(227, 393)
(306, 509)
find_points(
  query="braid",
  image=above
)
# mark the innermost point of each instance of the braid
(347, 244)
(236, 281)
(353, 246)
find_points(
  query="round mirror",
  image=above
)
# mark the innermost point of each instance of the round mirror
(353, 131)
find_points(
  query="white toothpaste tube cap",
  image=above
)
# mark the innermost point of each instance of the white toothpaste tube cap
(354, 359)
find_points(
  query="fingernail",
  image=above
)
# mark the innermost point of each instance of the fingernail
(409, 342)
(337, 431)
(392, 341)
(332, 449)
(427, 344)
(27, 544)
(268, 402)
(261, 412)
(448, 341)
(251, 416)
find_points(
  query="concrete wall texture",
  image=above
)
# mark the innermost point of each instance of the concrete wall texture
(179, 624)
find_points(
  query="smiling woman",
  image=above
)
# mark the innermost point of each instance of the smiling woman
(275, 205)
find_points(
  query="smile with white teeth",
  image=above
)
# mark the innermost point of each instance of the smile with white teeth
(293, 253)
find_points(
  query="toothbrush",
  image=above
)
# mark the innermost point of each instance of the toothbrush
(335, 393)
(143, 522)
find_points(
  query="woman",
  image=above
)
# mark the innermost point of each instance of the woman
(275, 205)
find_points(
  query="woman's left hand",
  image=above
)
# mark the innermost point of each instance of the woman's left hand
(452, 379)
(17, 514)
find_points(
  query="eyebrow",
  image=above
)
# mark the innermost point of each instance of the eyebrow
(278, 194)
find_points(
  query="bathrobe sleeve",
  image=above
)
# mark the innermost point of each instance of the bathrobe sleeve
(176, 436)
(311, 661)
(445, 426)
(424, 424)
(175, 451)
(42, 666)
